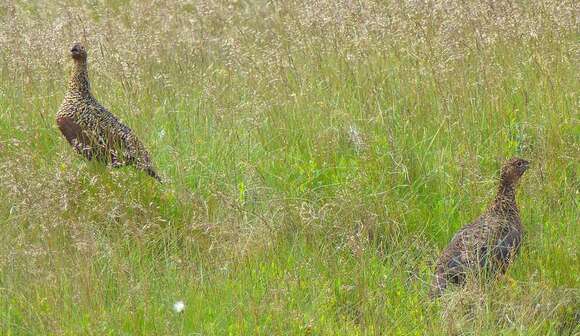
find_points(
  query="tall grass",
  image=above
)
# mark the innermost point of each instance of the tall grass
(320, 155)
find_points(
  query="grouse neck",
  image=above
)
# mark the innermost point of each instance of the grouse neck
(505, 200)
(79, 79)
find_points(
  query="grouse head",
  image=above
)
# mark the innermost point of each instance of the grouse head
(78, 52)
(512, 170)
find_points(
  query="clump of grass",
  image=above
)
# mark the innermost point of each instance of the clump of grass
(320, 155)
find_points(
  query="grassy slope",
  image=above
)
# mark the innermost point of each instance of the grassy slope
(277, 218)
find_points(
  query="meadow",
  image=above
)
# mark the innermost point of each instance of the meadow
(319, 155)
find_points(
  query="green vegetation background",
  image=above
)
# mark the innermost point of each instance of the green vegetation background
(319, 156)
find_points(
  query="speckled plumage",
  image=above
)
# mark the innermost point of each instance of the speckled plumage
(91, 129)
(490, 242)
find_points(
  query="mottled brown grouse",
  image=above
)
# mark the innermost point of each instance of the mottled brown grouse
(91, 129)
(489, 243)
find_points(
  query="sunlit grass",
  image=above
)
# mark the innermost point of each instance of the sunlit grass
(319, 157)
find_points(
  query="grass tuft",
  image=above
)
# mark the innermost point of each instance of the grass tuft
(319, 156)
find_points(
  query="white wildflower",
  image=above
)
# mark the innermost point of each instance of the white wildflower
(356, 139)
(178, 306)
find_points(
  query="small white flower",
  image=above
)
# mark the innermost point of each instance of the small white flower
(178, 306)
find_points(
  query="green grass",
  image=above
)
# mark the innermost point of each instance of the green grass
(319, 157)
